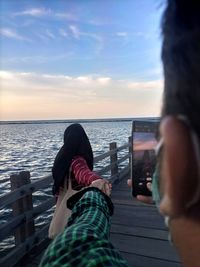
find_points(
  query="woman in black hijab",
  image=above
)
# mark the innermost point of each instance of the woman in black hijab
(76, 143)
(71, 171)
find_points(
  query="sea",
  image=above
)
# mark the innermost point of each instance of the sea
(32, 146)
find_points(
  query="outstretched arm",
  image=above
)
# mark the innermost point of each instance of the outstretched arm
(85, 241)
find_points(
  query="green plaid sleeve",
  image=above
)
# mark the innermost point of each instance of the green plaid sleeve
(85, 241)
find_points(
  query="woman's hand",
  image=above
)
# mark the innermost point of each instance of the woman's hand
(103, 185)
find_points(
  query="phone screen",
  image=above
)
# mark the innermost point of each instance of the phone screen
(143, 157)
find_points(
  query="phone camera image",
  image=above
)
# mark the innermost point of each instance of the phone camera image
(143, 155)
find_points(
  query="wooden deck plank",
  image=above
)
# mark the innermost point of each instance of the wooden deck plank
(139, 231)
(143, 246)
(138, 216)
(141, 261)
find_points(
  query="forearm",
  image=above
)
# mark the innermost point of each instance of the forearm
(83, 175)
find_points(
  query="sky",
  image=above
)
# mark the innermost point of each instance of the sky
(69, 59)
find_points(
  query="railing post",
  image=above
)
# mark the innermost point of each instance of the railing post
(22, 205)
(113, 159)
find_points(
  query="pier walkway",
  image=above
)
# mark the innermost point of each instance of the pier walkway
(137, 231)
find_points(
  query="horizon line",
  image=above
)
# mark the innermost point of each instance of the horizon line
(74, 120)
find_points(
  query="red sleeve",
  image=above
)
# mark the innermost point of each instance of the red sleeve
(83, 175)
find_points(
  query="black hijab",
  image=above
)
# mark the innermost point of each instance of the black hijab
(76, 143)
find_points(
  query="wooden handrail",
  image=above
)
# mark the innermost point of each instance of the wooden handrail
(104, 155)
(123, 147)
(109, 153)
(117, 177)
(123, 159)
(25, 190)
(21, 250)
(10, 226)
(108, 167)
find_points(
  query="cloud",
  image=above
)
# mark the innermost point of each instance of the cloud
(12, 34)
(42, 12)
(124, 37)
(139, 34)
(104, 87)
(146, 85)
(103, 80)
(63, 33)
(34, 12)
(35, 60)
(122, 34)
(98, 22)
(96, 81)
(6, 75)
(50, 34)
(26, 95)
(77, 34)
(93, 36)
(67, 16)
(144, 35)
(75, 31)
(84, 79)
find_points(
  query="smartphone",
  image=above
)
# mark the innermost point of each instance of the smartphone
(144, 141)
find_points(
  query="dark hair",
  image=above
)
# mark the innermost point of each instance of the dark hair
(181, 60)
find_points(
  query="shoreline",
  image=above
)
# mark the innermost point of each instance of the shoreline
(76, 120)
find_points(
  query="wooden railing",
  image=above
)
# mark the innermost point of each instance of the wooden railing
(21, 227)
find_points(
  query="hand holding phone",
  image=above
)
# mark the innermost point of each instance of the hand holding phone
(143, 155)
(142, 198)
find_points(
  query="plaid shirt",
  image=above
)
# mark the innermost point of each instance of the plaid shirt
(85, 241)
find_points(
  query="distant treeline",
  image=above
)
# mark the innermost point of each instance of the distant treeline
(77, 120)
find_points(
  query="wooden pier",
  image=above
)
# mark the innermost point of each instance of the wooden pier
(137, 230)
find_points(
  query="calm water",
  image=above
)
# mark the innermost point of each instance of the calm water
(33, 147)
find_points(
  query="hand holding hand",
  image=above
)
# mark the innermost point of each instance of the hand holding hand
(103, 185)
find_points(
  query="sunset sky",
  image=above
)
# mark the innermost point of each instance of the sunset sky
(80, 59)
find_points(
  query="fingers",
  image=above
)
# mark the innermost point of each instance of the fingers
(129, 182)
(149, 186)
(107, 189)
(145, 199)
(103, 185)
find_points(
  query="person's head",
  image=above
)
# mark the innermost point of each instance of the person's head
(181, 60)
(76, 143)
(180, 126)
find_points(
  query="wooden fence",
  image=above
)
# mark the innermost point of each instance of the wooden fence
(22, 227)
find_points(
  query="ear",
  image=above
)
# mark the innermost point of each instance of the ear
(178, 167)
